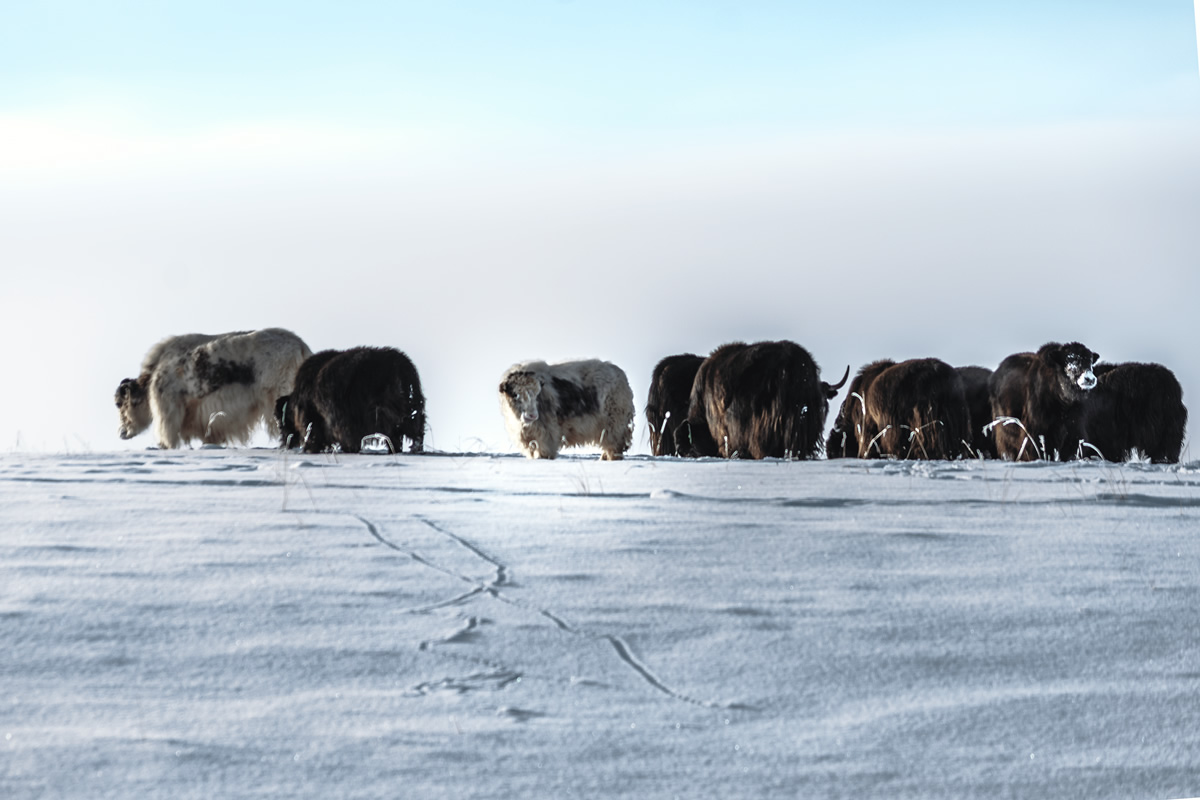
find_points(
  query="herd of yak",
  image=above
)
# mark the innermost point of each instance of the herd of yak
(761, 400)
(767, 400)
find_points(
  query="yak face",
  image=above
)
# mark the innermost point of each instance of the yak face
(520, 390)
(131, 404)
(1074, 364)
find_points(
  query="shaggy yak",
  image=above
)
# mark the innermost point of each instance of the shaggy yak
(1136, 407)
(1038, 402)
(215, 388)
(764, 400)
(914, 409)
(667, 402)
(342, 397)
(846, 439)
(979, 402)
(548, 406)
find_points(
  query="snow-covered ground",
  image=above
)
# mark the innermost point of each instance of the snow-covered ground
(236, 623)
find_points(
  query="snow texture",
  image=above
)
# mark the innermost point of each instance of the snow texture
(249, 623)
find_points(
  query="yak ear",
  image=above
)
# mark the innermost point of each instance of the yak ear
(1095, 357)
(503, 387)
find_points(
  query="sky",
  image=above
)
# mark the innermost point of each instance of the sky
(479, 184)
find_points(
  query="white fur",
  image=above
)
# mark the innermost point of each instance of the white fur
(539, 434)
(182, 408)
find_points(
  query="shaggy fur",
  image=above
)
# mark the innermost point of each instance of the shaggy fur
(548, 406)
(914, 409)
(764, 400)
(917, 409)
(213, 388)
(667, 402)
(1044, 393)
(343, 396)
(296, 414)
(846, 438)
(1136, 407)
(979, 402)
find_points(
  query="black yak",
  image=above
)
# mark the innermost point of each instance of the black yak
(1136, 407)
(917, 409)
(764, 400)
(668, 399)
(846, 436)
(299, 420)
(913, 409)
(342, 397)
(979, 401)
(1037, 402)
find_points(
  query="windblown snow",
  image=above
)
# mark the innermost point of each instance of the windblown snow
(247, 623)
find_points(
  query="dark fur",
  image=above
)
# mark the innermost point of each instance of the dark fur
(347, 395)
(668, 399)
(132, 390)
(506, 387)
(212, 375)
(297, 411)
(763, 400)
(1039, 390)
(918, 410)
(572, 399)
(846, 437)
(1136, 407)
(914, 409)
(979, 401)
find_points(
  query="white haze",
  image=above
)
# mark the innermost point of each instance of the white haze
(965, 246)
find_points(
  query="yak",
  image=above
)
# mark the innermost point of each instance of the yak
(1136, 408)
(215, 388)
(296, 414)
(917, 409)
(911, 409)
(667, 401)
(548, 406)
(1038, 402)
(344, 396)
(979, 402)
(846, 437)
(763, 400)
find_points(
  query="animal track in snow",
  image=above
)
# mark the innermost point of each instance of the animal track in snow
(493, 681)
(622, 649)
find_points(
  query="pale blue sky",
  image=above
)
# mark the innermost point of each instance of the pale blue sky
(483, 183)
(605, 66)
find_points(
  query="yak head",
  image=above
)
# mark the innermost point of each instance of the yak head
(848, 423)
(831, 389)
(132, 406)
(521, 390)
(1072, 363)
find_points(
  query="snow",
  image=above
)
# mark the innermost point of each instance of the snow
(242, 623)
